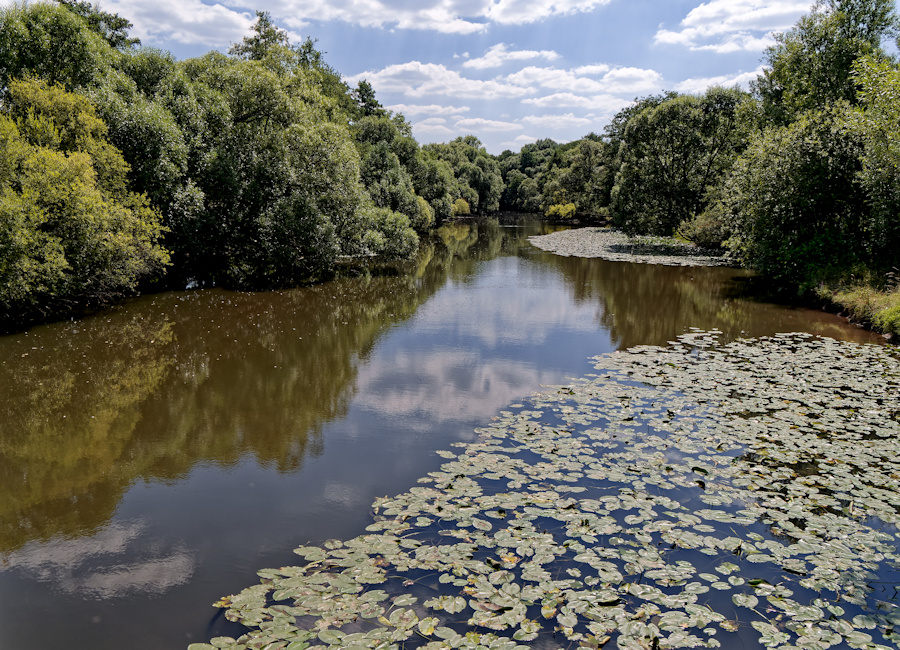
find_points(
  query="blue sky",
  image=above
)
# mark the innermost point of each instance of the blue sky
(507, 71)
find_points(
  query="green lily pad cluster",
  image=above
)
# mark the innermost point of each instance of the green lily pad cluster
(694, 496)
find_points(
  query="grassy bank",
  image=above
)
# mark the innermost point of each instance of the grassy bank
(874, 303)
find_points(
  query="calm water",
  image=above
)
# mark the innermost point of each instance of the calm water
(153, 457)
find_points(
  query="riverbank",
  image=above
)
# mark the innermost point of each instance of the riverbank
(866, 305)
(861, 301)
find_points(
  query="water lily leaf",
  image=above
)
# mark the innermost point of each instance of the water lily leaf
(745, 600)
(428, 625)
(404, 600)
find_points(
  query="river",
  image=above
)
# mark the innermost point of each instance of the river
(154, 456)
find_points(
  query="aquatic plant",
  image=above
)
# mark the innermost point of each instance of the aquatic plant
(696, 495)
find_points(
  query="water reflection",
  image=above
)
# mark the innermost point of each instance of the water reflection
(643, 304)
(173, 446)
(148, 390)
(118, 561)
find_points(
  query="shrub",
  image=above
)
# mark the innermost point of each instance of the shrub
(461, 208)
(561, 210)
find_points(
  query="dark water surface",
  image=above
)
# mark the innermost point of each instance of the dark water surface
(154, 456)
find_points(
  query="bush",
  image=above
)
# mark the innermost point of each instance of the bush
(795, 198)
(70, 233)
(424, 217)
(709, 229)
(461, 208)
(561, 210)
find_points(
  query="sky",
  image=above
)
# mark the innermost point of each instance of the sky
(507, 71)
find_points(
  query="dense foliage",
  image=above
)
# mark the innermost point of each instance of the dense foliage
(479, 182)
(70, 231)
(260, 168)
(798, 179)
(263, 168)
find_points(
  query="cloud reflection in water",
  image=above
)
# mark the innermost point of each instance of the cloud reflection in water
(92, 567)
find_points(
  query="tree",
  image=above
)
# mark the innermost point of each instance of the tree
(810, 66)
(366, 103)
(478, 177)
(584, 176)
(672, 154)
(52, 43)
(878, 117)
(795, 198)
(525, 174)
(70, 231)
(266, 36)
(433, 181)
(112, 27)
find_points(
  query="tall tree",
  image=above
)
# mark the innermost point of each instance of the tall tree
(811, 65)
(672, 154)
(366, 102)
(112, 27)
(264, 38)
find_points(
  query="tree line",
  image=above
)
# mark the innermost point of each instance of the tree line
(123, 168)
(798, 178)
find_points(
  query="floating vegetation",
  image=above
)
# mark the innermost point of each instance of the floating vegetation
(616, 246)
(694, 496)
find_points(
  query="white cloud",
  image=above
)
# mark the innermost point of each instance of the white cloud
(603, 104)
(519, 12)
(432, 128)
(499, 54)
(554, 79)
(734, 25)
(481, 124)
(183, 21)
(617, 80)
(416, 79)
(593, 69)
(632, 80)
(518, 143)
(555, 122)
(192, 21)
(427, 109)
(700, 84)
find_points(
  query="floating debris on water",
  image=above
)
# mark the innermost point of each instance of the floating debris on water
(696, 495)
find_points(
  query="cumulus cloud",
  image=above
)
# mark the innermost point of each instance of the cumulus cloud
(481, 124)
(615, 81)
(592, 70)
(519, 12)
(603, 104)
(417, 79)
(555, 122)
(554, 79)
(499, 54)
(427, 109)
(434, 127)
(632, 80)
(518, 142)
(623, 80)
(734, 25)
(219, 24)
(183, 21)
(700, 84)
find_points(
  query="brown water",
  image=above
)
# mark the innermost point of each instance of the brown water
(154, 456)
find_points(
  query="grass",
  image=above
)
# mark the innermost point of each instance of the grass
(874, 302)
